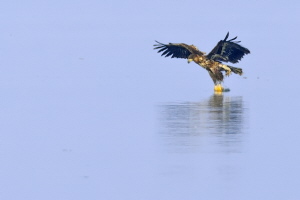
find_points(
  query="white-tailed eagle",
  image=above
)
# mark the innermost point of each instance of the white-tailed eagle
(224, 51)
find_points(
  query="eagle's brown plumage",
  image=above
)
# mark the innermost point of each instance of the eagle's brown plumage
(224, 51)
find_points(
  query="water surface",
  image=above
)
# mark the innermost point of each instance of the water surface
(215, 124)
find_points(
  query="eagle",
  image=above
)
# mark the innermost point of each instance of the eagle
(225, 51)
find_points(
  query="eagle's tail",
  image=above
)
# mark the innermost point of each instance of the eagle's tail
(236, 70)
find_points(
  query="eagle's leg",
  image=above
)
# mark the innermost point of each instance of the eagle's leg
(226, 68)
(218, 87)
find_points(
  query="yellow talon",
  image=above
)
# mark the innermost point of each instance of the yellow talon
(218, 88)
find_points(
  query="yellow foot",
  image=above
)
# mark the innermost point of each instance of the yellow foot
(218, 88)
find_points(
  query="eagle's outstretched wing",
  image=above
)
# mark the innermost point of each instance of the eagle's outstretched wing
(177, 50)
(228, 51)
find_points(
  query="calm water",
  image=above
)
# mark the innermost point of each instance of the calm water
(227, 147)
(218, 122)
(203, 143)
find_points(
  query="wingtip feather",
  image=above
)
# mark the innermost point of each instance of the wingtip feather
(227, 35)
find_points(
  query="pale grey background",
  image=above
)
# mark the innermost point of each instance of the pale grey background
(89, 111)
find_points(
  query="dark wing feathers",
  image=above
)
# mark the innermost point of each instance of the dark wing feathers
(224, 51)
(228, 51)
(177, 50)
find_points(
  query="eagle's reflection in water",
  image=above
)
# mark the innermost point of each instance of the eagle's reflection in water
(213, 125)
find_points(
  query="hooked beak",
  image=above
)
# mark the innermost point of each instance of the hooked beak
(190, 60)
